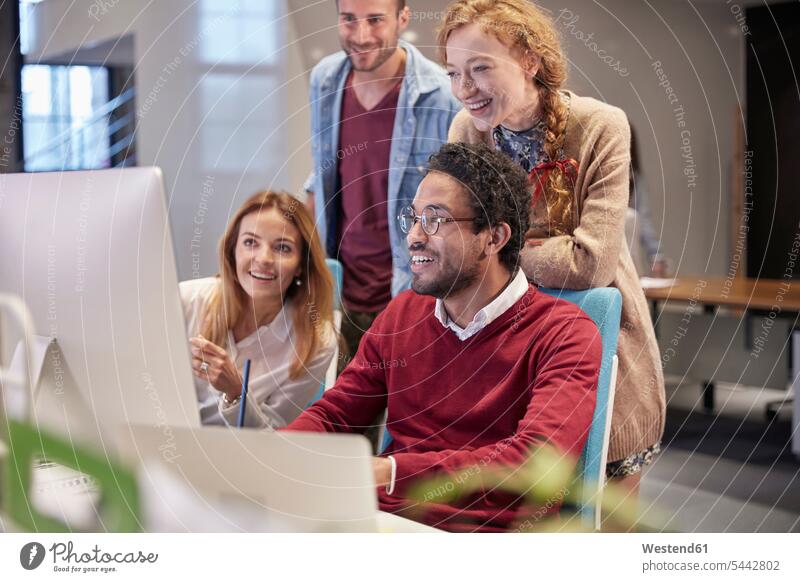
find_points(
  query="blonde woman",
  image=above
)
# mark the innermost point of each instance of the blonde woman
(507, 68)
(271, 303)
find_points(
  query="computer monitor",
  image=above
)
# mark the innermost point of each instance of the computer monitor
(91, 255)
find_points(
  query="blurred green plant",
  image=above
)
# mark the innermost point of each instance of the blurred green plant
(551, 491)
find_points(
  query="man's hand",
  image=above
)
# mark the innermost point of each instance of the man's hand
(213, 364)
(382, 467)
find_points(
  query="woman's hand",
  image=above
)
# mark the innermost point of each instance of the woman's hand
(213, 364)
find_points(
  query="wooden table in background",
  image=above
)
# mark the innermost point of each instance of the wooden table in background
(762, 294)
(781, 296)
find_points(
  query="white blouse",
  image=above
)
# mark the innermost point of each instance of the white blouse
(273, 400)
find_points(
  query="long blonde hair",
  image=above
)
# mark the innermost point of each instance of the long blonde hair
(313, 300)
(528, 31)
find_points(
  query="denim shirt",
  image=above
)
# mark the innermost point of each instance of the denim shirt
(425, 109)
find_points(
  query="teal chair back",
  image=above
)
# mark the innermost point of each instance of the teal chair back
(335, 267)
(337, 271)
(604, 307)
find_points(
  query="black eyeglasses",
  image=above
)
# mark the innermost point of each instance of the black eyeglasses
(430, 219)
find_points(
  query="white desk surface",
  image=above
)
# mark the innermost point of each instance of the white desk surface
(390, 523)
(387, 523)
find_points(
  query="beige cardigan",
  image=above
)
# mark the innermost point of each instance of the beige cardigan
(595, 255)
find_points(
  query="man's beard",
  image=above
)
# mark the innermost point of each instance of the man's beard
(383, 55)
(450, 282)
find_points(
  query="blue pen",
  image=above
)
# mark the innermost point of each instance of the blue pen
(243, 401)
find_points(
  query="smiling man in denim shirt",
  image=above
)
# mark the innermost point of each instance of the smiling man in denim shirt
(379, 109)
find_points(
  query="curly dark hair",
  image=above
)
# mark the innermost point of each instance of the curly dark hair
(498, 188)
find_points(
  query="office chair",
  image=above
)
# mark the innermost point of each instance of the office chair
(604, 307)
(330, 376)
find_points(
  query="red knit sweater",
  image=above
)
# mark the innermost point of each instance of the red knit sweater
(456, 406)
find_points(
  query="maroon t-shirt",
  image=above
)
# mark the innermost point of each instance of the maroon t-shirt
(365, 141)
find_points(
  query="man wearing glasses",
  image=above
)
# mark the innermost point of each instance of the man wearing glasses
(492, 366)
(379, 109)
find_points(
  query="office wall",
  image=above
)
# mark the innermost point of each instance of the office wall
(226, 122)
(612, 48)
(213, 95)
(225, 114)
(685, 112)
(686, 135)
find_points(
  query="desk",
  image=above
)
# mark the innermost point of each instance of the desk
(386, 523)
(775, 296)
(737, 293)
(391, 523)
(77, 506)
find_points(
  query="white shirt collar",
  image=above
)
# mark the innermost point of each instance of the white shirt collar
(510, 295)
(280, 328)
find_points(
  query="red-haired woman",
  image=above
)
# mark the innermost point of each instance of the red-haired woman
(271, 303)
(507, 69)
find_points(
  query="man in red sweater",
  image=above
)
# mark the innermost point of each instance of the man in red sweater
(474, 365)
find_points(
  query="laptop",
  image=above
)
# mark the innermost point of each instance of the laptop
(223, 479)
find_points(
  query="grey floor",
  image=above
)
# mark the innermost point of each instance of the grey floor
(728, 472)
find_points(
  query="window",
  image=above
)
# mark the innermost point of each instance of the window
(241, 32)
(26, 8)
(60, 121)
